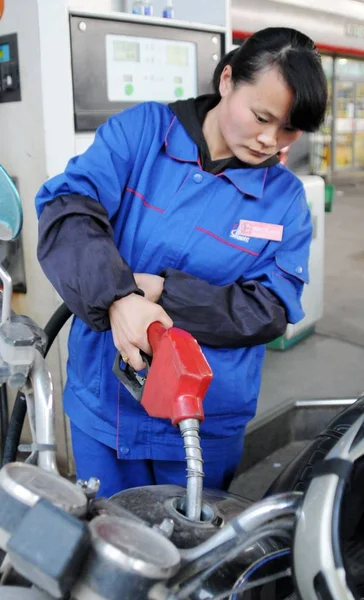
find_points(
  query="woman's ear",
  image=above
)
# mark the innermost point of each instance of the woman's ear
(225, 81)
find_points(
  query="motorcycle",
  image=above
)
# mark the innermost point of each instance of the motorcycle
(303, 539)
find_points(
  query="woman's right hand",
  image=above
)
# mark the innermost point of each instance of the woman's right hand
(130, 318)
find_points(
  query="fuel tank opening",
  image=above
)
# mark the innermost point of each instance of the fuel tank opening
(208, 514)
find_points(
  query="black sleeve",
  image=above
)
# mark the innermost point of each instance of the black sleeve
(236, 315)
(77, 253)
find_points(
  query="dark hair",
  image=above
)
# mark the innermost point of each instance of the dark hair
(296, 57)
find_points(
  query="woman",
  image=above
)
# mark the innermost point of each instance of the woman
(182, 214)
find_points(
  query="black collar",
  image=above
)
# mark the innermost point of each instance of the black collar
(192, 113)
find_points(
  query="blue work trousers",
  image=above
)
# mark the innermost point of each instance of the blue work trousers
(94, 459)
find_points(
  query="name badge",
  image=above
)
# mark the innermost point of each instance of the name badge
(264, 231)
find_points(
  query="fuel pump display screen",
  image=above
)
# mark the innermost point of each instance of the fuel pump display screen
(126, 51)
(4, 52)
(141, 68)
(177, 56)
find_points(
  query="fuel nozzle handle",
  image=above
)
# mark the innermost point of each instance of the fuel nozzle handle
(155, 334)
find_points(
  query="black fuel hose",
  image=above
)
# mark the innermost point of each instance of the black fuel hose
(16, 422)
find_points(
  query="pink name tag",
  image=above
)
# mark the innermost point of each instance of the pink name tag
(264, 231)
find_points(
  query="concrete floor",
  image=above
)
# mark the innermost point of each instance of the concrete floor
(329, 363)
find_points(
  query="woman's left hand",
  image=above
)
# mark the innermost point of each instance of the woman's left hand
(152, 285)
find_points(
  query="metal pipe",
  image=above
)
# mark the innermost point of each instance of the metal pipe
(190, 584)
(190, 432)
(4, 418)
(255, 516)
(52, 329)
(30, 404)
(22, 593)
(250, 547)
(326, 402)
(44, 414)
(7, 295)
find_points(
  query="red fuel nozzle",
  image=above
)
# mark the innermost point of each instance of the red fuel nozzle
(174, 387)
(178, 378)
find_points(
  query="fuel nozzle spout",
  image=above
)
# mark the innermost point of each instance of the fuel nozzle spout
(190, 429)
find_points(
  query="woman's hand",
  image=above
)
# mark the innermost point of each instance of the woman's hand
(130, 318)
(152, 285)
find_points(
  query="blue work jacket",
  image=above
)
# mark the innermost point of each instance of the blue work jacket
(166, 212)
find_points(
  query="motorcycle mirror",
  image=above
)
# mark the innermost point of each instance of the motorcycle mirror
(11, 213)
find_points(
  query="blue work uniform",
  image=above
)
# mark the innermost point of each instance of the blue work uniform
(169, 215)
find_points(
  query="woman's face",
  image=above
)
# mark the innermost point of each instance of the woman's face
(254, 118)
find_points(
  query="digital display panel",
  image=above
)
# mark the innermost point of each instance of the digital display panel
(177, 55)
(144, 68)
(126, 51)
